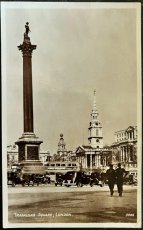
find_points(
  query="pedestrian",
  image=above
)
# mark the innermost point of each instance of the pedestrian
(120, 174)
(111, 177)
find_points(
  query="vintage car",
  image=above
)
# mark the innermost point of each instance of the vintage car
(13, 178)
(32, 179)
(73, 178)
(47, 179)
(97, 179)
(59, 179)
(130, 179)
(27, 179)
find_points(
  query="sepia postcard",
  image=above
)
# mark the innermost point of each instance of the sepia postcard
(71, 114)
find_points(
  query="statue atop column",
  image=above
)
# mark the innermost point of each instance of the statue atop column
(27, 47)
(27, 30)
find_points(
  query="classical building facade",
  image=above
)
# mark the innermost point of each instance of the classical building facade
(44, 156)
(12, 155)
(125, 147)
(94, 155)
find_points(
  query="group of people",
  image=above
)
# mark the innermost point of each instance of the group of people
(115, 176)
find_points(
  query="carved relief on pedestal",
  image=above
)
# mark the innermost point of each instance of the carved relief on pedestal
(32, 153)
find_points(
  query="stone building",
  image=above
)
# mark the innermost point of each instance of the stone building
(62, 153)
(12, 155)
(61, 146)
(94, 155)
(125, 147)
(44, 156)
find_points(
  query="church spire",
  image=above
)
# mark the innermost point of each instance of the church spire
(95, 127)
(94, 103)
(94, 113)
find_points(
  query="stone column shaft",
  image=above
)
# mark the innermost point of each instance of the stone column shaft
(27, 94)
(27, 49)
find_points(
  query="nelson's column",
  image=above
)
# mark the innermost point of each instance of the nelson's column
(28, 144)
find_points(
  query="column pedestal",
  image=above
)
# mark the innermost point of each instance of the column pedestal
(29, 150)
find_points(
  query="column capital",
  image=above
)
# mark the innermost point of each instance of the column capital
(27, 48)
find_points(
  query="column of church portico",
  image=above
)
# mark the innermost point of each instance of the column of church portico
(81, 160)
(120, 153)
(98, 160)
(126, 153)
(77, 159)
(123, 154)
(90, 161)
(129, 153)
(105, 161)
(85, 160)
(95, 160)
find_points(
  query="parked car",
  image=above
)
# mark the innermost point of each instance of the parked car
(73, 178)
(27, 179)
(47, 179)
(97, 179)
(130, 179)
(59, 179)
(13, 178)
(38, 179)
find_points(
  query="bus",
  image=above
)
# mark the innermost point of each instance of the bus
(55, 167)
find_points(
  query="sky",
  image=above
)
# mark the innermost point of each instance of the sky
(78, 50)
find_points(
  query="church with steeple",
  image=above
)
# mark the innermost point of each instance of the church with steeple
(94, 155)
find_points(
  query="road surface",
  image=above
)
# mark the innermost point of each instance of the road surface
(49, 204)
